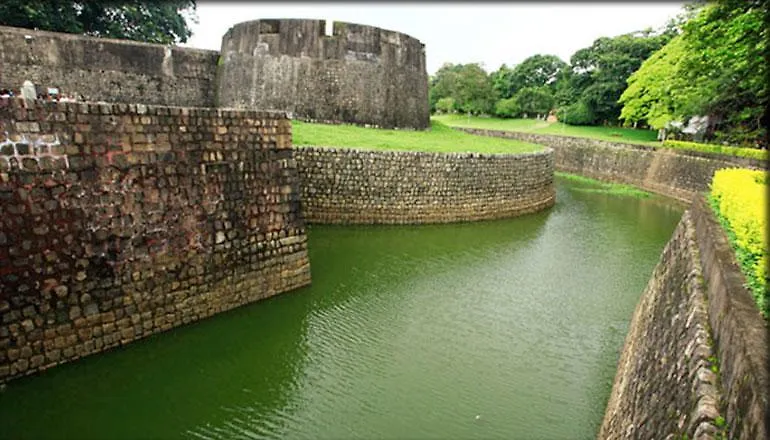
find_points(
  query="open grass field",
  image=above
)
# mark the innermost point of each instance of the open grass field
(615, 134)
(439, 139)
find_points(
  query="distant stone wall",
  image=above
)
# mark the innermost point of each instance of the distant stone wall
(341, 185)
(358, 74)
(697, 347)
(109, 70)
(677, 174)
(119, 221)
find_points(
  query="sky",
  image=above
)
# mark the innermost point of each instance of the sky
(459, 33)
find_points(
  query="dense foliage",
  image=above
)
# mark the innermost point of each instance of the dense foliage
(717, 67)
(739, 198)
(711, 61)
(163, 22)
(752, 153)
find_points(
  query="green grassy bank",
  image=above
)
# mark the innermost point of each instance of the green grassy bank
(439, 139)
(615, 134)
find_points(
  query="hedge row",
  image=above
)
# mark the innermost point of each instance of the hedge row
(739, 198)
(752, 153)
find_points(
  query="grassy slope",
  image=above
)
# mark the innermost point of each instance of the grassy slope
(439, 138)
(630, 135)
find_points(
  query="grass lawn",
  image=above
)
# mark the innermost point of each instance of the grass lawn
(439, 139)
(629, 135)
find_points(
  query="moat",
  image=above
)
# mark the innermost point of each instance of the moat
(497, 329)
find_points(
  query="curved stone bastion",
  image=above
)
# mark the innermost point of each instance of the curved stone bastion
(341, 185)
(353, 73)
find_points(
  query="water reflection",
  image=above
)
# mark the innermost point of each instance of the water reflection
(406, 332)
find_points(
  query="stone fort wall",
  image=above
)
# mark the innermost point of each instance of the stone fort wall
(120, 221)
(343, 185)
(358, 74)
(696, 350)
(676, 174)
(109, 70)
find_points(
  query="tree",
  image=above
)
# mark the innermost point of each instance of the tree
(507, 108)
(474, 92)
(535, 71)
(598, 73)
(716, 67)
(162, 22)
(535, 100)
(467, 84)
(445, 105)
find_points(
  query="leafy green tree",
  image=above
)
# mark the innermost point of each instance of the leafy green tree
(445, 105)
(535, 71)
(507, 108)
(535, 100)
(474, 92)
(467, 84)
(716, 67)
(443, 84)
(598, 73)
(578, 113)
(163, 22)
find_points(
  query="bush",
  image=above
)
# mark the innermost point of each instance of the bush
(752, 153)
(445, 105)
(507, 108)
(739, 198)
(576, 114)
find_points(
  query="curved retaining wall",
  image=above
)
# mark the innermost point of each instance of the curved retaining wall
(359, 74)
(697, 346)
(676, 174)
(355, 186)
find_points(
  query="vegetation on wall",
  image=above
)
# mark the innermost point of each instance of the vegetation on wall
(739, 198)
(162, 22)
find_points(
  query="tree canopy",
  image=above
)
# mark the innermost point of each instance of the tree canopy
(716, 67)
(163, 22)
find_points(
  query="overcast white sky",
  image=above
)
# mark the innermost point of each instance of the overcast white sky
(488, 33)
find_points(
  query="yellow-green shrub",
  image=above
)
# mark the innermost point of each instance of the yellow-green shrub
(752, 153)
(739, 198)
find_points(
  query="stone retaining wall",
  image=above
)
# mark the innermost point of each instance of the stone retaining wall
(697, 346)
(677, 174)
(119, 221)
(342, 185)
(104, 69)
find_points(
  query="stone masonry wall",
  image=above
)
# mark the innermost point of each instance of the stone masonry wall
(109, 70)
(119, 221)
(697, 346)
(358, 74)
(341, 185)
(740, 332)
(680, 175)
(664, 387)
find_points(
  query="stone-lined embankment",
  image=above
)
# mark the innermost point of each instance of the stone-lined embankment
(678, 174)
(695, 361)
(343, 185)
(119, 221)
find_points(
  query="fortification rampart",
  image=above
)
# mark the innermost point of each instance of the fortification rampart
(119, 221)
(358, 74)
(696, 350)
(680, 175)
(342, 185)
(102, 69)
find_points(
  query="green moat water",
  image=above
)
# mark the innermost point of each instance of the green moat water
(406, 332)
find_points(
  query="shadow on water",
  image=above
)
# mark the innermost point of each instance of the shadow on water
(407, 331)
